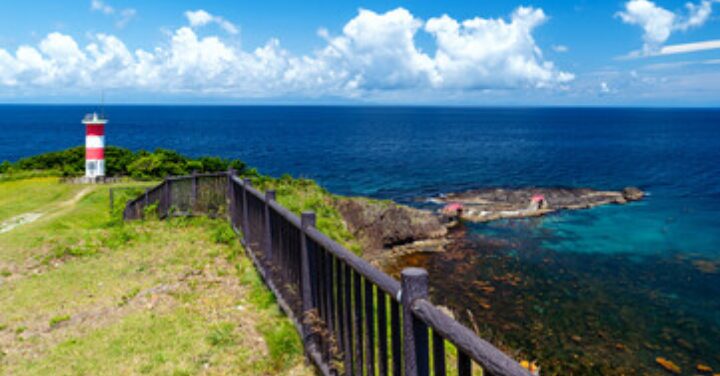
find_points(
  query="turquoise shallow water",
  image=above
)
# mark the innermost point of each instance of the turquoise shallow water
(634, 282)
(650, 227)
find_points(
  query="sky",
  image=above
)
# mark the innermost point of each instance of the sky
(560, 52)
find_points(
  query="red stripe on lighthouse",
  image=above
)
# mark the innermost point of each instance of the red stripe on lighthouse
(94, 153)
(94, 130)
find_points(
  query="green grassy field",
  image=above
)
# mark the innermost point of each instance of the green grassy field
(83, 293)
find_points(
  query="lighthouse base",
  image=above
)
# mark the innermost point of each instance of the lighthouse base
(95, 180)
(94, 168)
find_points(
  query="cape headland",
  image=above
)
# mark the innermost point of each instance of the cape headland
(489, 204)
(388, 229)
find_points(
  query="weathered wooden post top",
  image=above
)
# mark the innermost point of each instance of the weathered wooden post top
(94, 145)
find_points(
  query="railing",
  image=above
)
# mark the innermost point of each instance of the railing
(196, 194)
(353, 318)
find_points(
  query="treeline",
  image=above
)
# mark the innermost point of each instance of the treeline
(142, 165)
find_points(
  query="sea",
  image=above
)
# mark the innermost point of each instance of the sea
(649, 267)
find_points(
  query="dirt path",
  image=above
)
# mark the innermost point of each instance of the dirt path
(52, 210)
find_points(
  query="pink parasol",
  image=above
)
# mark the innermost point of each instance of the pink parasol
(453, 207)
(536, 198)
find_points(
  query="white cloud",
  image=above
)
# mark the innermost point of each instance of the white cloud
(604, 88)
(200, 18)
(123, 16)
(375, 54)
(100, 6)
(126, 15)
(481, 53)
(690, 47)
(697, 14)
(560, 48)
(659, 23)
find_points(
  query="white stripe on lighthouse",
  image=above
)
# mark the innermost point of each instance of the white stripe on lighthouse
(94, 141)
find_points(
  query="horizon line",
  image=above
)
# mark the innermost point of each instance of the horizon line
(369, 105)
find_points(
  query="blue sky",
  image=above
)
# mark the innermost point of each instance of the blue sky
(634, 52)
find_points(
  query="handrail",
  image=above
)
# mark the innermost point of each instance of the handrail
(332, 283)
(494, 361)
(387, 283)
(390, 285)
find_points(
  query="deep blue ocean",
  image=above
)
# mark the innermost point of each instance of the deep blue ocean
(592, 292)
(404, 153)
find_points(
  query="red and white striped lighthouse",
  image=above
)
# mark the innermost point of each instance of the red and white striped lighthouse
(94, 145)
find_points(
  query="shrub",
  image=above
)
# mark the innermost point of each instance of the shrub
(223, 234)
(55, 321)
(222, 334)
(119, 161)
(282, 342)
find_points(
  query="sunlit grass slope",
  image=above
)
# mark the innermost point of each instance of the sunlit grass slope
(83, 293)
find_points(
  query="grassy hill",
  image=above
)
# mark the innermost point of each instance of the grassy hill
(81, 292)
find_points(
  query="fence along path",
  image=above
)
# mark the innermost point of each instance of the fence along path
(353, 318)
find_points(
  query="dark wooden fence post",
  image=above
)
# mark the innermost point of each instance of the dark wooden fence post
(245, 226)
(146, 201)
(112, 200)
(194, 192)
(267, 236)
(166, 196)
(169, 184)
(414, 285)
(307, 219)
(231, 194)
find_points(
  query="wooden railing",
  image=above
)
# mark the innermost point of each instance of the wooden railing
(353, 318)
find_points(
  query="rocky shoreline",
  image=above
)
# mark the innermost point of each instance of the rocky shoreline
(386, 229)
(484, 205)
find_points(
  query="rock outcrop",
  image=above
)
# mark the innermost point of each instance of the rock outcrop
(383, 226)
(483, 205)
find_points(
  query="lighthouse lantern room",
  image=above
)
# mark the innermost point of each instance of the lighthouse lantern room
(94, 146)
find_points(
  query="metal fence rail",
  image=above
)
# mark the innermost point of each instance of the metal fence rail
(353, 318)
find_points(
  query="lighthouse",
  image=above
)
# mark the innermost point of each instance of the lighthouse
(94, 146)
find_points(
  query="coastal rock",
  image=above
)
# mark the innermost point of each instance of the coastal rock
(706, 266)
(703, 368)
(483, 205)
(633, 193)
(668, 365)
(384, 225)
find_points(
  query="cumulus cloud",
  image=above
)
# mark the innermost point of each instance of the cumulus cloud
(482, 53)
(200, 18)
(122, 16)
(374, 53)
(659, 23)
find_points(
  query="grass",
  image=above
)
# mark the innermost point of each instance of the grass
(299, 195)
(22, 196)
(57, 320)
(84, 293)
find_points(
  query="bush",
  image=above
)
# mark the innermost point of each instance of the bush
(222, 233)
(119, 161)
(221, 334)
(59, 319)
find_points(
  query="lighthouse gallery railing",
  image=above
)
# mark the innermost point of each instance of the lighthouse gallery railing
(353, 318)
